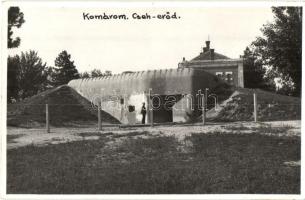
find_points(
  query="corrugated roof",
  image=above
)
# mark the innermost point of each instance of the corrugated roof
(165, 82)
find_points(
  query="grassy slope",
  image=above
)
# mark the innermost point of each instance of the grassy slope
(211, 163)
(271, 106)
(65, 105)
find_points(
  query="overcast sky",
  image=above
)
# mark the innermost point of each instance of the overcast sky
(121, 45)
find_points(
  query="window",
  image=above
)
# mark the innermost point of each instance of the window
(219, 74)
(229, 76)
(131, 108)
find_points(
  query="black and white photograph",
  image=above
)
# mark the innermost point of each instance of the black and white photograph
(151, 98)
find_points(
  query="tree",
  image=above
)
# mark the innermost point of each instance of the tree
(108, 73)
(15, 19)
(96, 73)
(32, 76)
(64, 70)
(285, 89)
(254, 72)
(27, 75)
(281, 46)
(12, 83)
(84, 75)
(50, 76)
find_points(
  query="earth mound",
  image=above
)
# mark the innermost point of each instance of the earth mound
(270, 107)
(66, 108)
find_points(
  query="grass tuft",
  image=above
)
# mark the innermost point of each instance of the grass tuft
(267, 129)
(11, 138)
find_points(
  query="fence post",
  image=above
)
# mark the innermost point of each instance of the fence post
(47, 119)
(151, 108)
(206, 98)
(255, 106)
(99, 117)
(203, 109)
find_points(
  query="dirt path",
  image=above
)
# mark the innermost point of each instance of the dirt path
(18, 137)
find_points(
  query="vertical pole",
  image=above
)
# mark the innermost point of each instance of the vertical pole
(203, 109)
(99, 123)
(255, 107)
(47, 119)
(151, 108)
(217, 101)
(206, 98)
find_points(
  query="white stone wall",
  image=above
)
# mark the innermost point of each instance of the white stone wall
(121, 111)
(137, 101)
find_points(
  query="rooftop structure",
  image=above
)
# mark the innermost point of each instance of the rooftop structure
(227, 69)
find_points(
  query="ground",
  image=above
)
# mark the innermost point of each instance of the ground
(221, 158)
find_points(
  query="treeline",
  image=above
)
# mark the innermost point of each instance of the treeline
(28, 74)
(95, 73)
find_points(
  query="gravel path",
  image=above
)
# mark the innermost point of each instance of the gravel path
(18, 137)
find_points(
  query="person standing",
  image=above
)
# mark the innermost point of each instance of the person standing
(143, 112)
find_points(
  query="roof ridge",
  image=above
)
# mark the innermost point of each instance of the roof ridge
(137, 74)
(207, 56)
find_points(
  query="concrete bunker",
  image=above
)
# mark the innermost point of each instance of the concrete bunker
(171, 95)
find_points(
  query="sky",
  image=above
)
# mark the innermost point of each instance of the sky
(136, 45)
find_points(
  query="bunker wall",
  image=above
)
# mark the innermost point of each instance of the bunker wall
(119, 94)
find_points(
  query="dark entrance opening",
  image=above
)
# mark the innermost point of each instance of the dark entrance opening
(163, 107)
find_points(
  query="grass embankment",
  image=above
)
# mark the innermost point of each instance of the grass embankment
(66, 108)
(202, 163)
(270, 106)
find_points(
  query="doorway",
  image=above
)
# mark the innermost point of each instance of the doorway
(163, 108)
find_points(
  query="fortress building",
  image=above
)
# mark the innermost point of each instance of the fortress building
(169, 95)
(173, 93)
(227, 69)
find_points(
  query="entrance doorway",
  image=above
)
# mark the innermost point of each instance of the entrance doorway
(163, 107)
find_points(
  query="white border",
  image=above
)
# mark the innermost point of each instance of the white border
(157, 4)
(133, 4)
(3, 106)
